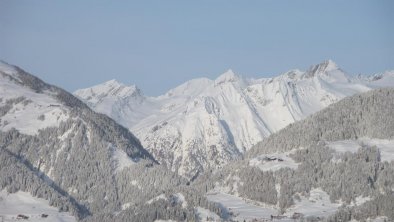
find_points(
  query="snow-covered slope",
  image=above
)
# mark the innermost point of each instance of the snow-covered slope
(206, 123)
(36, 209)
(55, 145)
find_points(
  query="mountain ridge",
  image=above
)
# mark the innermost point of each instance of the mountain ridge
(220, 119)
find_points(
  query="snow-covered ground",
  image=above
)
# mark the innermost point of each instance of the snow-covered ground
(39, 111)
(377, 219)
(274, 161)
(317, 204)
(121, 159)
(240, 208)
(12, 205)
(386, 147)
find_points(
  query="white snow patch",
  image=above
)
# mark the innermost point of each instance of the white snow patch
(386, 147)
(360, 200)
(161, 196)
(66, 134)
(126, 205)
(318, 204)
(121, 160)
(135, 183)
(13, 204)
(274, 161)
(240, 209)
(206, 215)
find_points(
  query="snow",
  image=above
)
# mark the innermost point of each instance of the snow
(8, 69)
(274, 161)
(377, 219)
(386, 147)
(25, 116)
(318, 204)
(126, 206)
(225, 116)
(11, 205)
(110, 88)
(160, 197)
(385, 79)
(135, 183)
(360, 200)
(228, 76)
(66, 134)
(121, 160)
(165, 221)
(240, 209)
(206, 215)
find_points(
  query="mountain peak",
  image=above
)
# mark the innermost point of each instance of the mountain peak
(113, 82)
(228, 76)
(325, 66)
(322, 68)
(329, 65)
(111, 88)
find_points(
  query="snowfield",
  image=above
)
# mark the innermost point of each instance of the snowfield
(28, 116)
(22, 203)
(386, 147)
(317, 204)
(239, 209)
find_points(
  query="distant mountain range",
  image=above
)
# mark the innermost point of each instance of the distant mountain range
(205, 123)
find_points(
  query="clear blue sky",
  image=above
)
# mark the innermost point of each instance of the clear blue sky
(160, 44)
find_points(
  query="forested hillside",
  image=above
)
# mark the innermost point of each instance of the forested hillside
(304, 159)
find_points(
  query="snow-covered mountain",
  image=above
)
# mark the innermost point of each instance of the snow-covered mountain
(206, 123)
(55, 152)
(55, 147)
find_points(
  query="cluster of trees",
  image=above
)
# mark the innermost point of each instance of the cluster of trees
(260, 186)
(17, 175)
(9, 103)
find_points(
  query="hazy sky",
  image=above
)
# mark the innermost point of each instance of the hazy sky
(160, 44)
